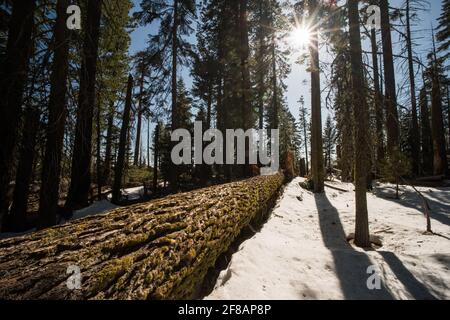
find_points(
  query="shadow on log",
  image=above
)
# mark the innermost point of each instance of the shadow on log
(157, 250)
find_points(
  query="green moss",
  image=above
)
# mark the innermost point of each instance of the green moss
(111, 272)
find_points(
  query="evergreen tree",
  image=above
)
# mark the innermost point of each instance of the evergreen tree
(425, 134)
(80, 182)
(13, 74)
(175, 24)
(303, 127)
(49, 194)
(443, 29)
(389, 78)
(329, 140)
(361, 119)
(124, 134)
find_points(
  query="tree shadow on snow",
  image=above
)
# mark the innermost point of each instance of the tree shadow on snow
(440, 208)
(350, 265)
(417, 289)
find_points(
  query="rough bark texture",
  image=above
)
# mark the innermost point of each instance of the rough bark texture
(155, 159)
(80, 182)
(393, 134)
(361, 119)
(51, 171)
(426, 138)
(16, 220)
(109, 143)
(173, 175)
(13, 74)
(415, 138)
(379, 115)
(120, 165)
(317, 169)
(157, 250)
(440, 166)
(246, 89)
(140, 110)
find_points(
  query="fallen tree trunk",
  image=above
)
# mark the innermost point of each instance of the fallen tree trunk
(158, 250)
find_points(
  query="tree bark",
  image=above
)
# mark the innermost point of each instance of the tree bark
(148, 142)
(108, 147)
(155, 159)
(246, 106)
(13, 77)
(173, 176)
(316, 110)
(98, 161)
(157, 250)
(415, 137)
(440, 165)
(448, 114)
(302, 115)
(426, 138)
(80, 184)
(16, 221)
(137, 146)
(379, 117)
(392, 125)
(361, 119)
(120, 164)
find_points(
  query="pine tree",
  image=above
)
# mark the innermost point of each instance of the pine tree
(415, 138)
(389, 78)
(175, 24)
(425, 134)
(361, 119)
(378, 99)
(141, 70)
(303, 115)
(156, 137)
(340, 82)
(440, 165)
(316, 111)
(261, 32)
(16, 220)
(112, 73)
(124, 134)
(329, 141)
(51, 171)
(80, 182)
(13, 75)
(443, 29)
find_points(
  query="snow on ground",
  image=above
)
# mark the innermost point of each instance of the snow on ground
(97, 207)
(302, 252)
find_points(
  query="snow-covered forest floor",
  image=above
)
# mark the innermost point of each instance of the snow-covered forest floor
(302, 251)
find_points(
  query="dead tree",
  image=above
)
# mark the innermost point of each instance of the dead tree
(157, 250)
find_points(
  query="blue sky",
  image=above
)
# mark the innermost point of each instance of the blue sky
(298, 81)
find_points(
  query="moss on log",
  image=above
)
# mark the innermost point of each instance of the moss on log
(157, 250)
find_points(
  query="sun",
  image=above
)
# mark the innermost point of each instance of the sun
(300, 37)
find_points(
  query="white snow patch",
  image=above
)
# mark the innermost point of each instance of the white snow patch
(97, 207)
(302, 252)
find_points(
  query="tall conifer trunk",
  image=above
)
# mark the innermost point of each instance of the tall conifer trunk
(123, 142)
(392, 124)
(415, 137)
(361, 119)
(317, 164)
(80, 183)
(13, 76)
